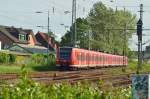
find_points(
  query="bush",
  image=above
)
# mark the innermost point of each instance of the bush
(4, 58)
(42, 59)
(34, 59)
(38, 59)
(28, 89)
(21, 60)
(12, 58)
(7, 58)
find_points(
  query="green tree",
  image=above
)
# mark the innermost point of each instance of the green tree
(82, 34)
(108, 28)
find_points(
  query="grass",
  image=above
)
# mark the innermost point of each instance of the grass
(132, 67)
(12, 68)
(30, 68)
(8, 69)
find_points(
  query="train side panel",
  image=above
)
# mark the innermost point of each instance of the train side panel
(80, 58)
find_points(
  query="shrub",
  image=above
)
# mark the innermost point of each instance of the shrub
(12, 58)
(38, 59)
(28, 89)
(20, 60)
(43, 59)
(4, 58)
(34, 59)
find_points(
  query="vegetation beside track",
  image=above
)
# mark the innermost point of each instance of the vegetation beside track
(28, 89)
(132, 67)
(6, 68)
(31, 90)
(12, 68)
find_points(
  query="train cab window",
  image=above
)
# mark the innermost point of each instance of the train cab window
(65, 53)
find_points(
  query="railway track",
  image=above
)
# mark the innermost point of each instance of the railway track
(114, 80)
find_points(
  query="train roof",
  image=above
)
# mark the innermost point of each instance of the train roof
(89, 50)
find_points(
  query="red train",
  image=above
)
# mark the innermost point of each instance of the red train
(68, 57)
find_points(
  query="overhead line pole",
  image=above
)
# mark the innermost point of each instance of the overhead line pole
(72, 24)
(124, 45)
(141, 17)
(139, 33)
(74, 27)
(48, 38)
(48, 19)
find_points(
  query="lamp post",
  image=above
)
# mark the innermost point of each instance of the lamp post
(48, 20)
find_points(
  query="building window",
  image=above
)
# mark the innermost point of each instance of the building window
(22, 37)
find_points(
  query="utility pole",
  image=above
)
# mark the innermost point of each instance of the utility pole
(89, 39)
(74, 27)
(139, 33)
(48, 38)
(124, 44)
(141, 17)
(124, 41)
(48, 30)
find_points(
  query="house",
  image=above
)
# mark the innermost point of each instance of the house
(46, 41)
(20, 40)
(29, 49)
(11, 35)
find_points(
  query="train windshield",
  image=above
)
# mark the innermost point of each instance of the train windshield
(65, 53)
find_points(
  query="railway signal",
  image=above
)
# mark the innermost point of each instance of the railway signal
(139, 27)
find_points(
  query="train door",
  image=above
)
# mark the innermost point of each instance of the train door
(83, 59)
(101, 59)
(57, 56)
(87, 58)
(79, 58)
(97, 59)
(91, 62)
(94, 59)
(106, 62)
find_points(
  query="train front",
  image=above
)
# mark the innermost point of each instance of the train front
(64, 58)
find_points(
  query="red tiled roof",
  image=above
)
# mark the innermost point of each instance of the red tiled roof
(46, 38)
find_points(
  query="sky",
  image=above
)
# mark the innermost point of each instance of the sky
(22, 13)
